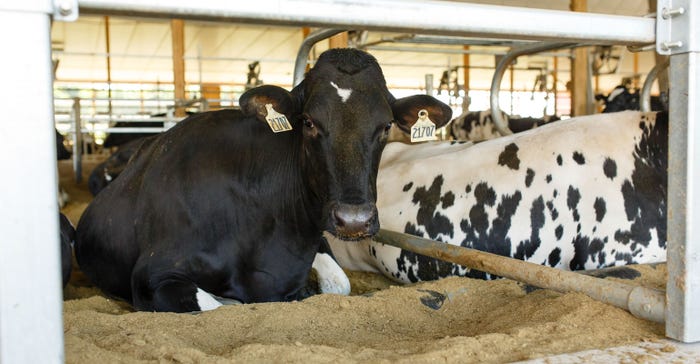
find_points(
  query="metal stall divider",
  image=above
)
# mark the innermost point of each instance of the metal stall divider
(30, 322)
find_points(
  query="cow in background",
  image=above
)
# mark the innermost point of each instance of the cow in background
(622, 97)
(105, 172)
(61, 151)
(66, 238)
(583, 193)
(478, 126)
(221, 206)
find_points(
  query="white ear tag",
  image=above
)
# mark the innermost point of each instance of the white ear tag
(277, 122)
(424, 129)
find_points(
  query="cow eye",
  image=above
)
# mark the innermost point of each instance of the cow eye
(306, 119)
(388, 125)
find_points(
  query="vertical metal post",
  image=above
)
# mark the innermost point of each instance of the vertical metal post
(77, 141)
(31, 328)
(683, 286)
(678, 23)
(429, 84)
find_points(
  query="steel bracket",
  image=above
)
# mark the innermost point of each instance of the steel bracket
(65, 10)
(677, 26)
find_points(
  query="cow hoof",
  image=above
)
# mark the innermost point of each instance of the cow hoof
(331, 278)
(206, 301)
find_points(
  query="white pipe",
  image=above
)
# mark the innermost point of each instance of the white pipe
(645, 93)
(31, 325)
(424, 17)
(303, 53)
(503, 64)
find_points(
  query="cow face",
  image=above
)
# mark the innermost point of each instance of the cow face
(346, 114)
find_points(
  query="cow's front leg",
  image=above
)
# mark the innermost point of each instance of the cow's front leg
(166, 292)
(174, 296)
(331, 278)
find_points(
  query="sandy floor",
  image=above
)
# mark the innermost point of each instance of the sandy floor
(453, 320)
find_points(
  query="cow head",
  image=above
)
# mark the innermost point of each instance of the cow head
(342, 113)
(346, 114)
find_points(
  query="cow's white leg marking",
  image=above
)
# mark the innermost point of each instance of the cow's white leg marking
(331, 278)
(344, 93)
(205, 301)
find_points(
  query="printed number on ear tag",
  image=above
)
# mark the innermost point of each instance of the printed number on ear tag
(424, 129)
(277, 122)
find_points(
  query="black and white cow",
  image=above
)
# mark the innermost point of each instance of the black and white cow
(66, 238)
(220, 205)
(118, 139)
(61, 154)
(61, 151)
(478, 126)
(583, 193)
(105, 172)
(622, 98)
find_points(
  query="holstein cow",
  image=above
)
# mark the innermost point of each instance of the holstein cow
(583, 193)
(221, 206)
(66, 237)
(61, 151)
(620, 99)
(61, 154)
(478, 126)
(105, 172)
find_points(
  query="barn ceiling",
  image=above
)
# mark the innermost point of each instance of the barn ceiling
(220, 52)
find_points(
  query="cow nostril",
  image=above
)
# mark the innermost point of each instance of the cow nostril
(353, 219)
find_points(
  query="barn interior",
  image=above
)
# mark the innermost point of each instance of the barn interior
(138, 67)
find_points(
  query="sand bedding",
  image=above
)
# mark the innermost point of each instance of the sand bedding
(452, 320)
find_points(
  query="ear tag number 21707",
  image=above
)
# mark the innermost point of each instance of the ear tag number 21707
(424, 129)
(277, 122)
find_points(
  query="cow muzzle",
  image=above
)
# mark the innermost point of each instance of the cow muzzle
(354, 222)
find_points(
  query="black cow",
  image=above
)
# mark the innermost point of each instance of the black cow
(105, 172)
(67, 237)
(117, 139)
(220, 205)
(61, 151)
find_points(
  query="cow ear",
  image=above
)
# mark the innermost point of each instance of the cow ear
(406, 111)
(253, 102)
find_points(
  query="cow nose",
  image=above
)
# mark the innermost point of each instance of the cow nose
(355, 221)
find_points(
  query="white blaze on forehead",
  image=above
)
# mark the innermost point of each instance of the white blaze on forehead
(344, 93)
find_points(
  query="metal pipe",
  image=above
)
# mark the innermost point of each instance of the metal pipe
(303, 54)
(642, 302)
(645, 93)
(155, 56)
(456, 18)
(77, 141)
(429, 84)
(452, 51)
(31, 328)
(503, 64)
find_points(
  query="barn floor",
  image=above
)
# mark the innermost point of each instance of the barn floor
(452, 320)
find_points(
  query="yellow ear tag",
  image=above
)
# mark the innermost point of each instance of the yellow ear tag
(424, 129)
(277, 122)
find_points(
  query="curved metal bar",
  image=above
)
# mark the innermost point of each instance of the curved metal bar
(645, 93)
(303, 54)
(496, 116)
